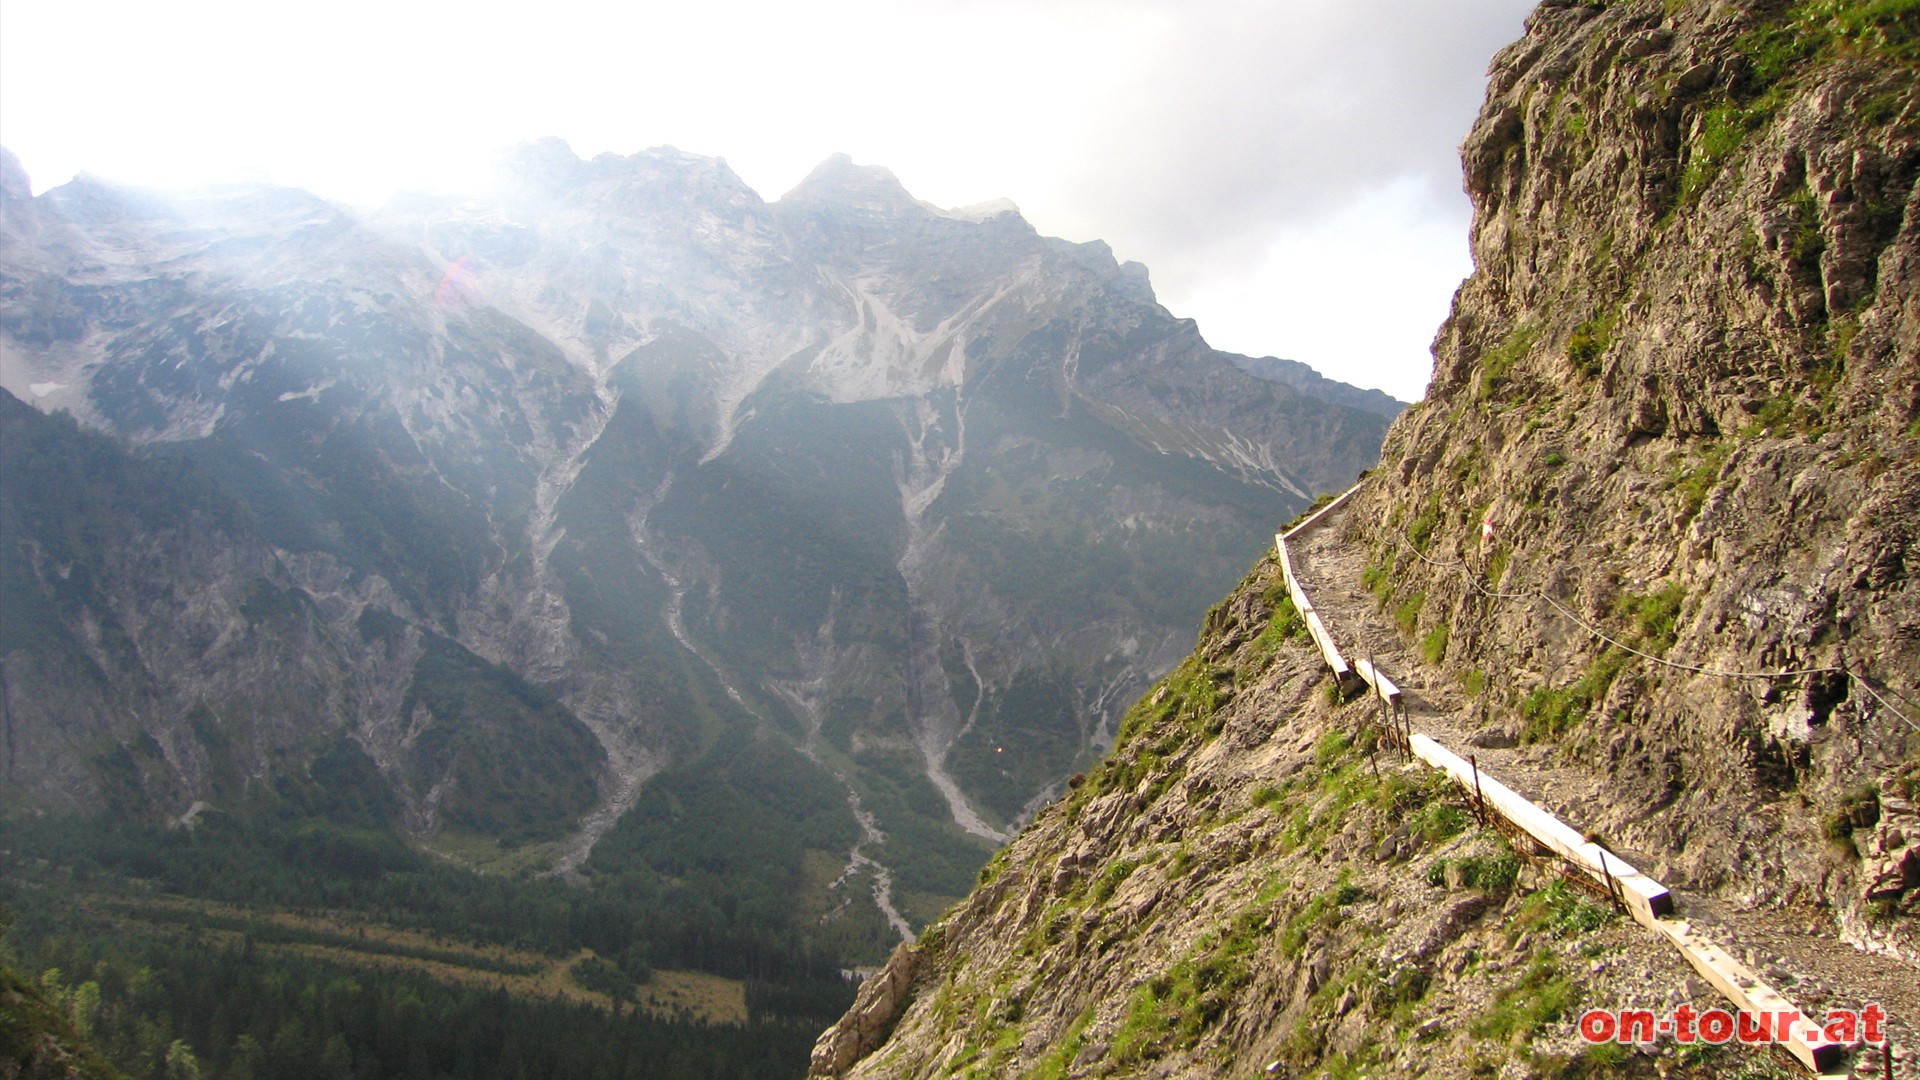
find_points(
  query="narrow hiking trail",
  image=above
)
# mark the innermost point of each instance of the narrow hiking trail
(1799, 950)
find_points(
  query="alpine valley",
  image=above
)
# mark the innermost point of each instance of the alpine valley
(721, 579)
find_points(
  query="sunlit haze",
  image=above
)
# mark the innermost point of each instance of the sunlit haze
(1287, 170)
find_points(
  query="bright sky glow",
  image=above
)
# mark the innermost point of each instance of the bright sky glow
(1285, 168)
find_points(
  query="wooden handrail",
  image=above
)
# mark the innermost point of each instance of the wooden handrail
(1647, 900)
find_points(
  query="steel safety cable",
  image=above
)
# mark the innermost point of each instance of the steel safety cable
(1718, 673)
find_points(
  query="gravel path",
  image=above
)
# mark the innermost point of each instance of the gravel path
(1799, 952)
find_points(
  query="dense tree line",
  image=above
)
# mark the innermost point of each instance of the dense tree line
(186, 1009)
(175, 1002)
(635, 917)
(37, 1036)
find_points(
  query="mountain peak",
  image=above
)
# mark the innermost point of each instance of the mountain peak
(983, 211)
(547, 164)
(549, 169)
(14, 184)
(839, 179)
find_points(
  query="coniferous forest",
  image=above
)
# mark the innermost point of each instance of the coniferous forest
(301, 948)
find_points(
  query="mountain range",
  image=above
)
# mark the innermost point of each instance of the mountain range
(617, 520)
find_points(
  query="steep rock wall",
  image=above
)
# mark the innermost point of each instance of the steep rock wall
(1677, 400)
(1250, 886)
(1674, 406)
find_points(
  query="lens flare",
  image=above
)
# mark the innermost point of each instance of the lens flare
(458, 287)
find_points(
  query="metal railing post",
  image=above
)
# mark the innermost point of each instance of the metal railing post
(1612, 892)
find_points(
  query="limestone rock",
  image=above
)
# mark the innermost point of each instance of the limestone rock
(1681, 382)
(872, 1016)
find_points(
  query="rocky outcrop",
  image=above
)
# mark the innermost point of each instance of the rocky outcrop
(1251, 886)
(1674, 406)
(1890, 854)
(871, 1018)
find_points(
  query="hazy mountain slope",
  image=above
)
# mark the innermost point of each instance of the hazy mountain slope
(1679, 386)
(157, 650)
(841, 499)
(1305, 379)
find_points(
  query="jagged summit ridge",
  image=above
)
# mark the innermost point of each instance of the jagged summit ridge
(875, 189)
(14, 183)
(840, 179)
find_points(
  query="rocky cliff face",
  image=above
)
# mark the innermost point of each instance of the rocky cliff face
(1678, 391)
(1650, 526)
(620, 492)
(1249, 886)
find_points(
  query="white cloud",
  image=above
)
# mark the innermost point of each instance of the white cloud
(1360, 290)
(1215, 140)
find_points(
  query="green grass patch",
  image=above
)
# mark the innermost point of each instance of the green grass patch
(1497, 565)
(1564, 911)
(1548, 712)
(1287, 624)
(1655, 617)
(1378, 580)
(1590, 340)
(1543, 995)
(1575, 122)
(1317, 807)
(1407, 615)
(1882, 29)
(1808, 241)
(1420, 531)
(1332, 746)
(1693, 483)
(1858, 808)
(1437, 822)
(1494, 873)
(1497, 363)
(1723, 130)
(1322, 912)
(1781, 54)
(1111, 879)
(1181, 1004)
(1054, 1065)
(1187, 699)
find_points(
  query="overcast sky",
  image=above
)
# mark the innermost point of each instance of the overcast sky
(1287, 169)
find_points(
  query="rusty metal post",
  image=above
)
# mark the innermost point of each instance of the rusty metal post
(1886, 1056)
(1613, 893)
(1378, 696)
(1479, 800)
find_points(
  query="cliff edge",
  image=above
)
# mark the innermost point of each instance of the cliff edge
(1645, 545)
